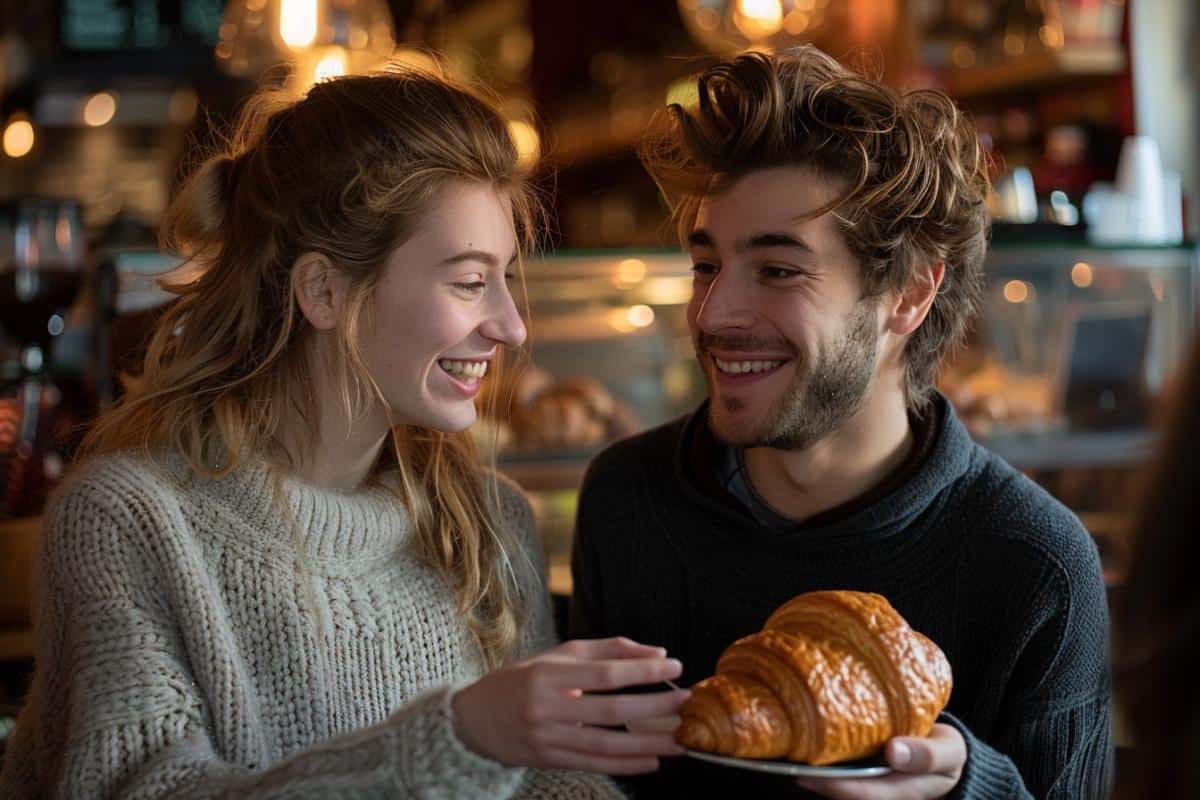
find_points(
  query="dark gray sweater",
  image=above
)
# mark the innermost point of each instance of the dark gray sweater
(972, 553)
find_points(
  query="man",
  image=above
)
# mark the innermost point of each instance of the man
(838, 230)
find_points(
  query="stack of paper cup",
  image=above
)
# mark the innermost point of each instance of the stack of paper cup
(1140, 178)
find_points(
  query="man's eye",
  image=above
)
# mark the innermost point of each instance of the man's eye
(474, 287)
(779, 272)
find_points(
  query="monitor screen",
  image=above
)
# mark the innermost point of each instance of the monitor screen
(1104, 385)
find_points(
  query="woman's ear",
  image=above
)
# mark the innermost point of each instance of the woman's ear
(320, 290)
(913, 304)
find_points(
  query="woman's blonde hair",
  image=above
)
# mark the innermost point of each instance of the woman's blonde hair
(346, 171)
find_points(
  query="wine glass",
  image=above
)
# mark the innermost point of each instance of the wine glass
(41, 270)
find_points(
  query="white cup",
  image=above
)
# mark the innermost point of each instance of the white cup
(1107, 212)
(1140, 177)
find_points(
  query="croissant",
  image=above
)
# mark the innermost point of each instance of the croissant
(831, 677)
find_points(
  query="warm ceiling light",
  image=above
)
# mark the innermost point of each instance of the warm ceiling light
(331, 65)
(526, 139)
(759, 18)
(99, 109)
(1081, 275)
(1016, 291)
(18, 138)
(641, 316)
(298, 22)
(631, 271)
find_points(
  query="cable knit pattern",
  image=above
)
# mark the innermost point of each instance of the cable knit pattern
(185, 651)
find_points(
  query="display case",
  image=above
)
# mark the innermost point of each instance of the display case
(1071, 350)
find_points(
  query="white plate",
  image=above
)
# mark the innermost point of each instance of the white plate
(868, 768)
(855, 769)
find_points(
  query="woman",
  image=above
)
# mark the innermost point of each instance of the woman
(279, 571)
(1157, 619)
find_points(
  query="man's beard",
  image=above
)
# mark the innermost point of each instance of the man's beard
(820, 399)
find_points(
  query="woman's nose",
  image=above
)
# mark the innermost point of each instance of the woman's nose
(504, 323)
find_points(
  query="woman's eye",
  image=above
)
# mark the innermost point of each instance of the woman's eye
(473, 287)
(703, 269)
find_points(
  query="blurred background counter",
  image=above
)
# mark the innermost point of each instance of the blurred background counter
(1060, 375)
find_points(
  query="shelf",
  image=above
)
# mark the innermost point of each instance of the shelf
(1065, 450)
(549, 473)
(1038, 69)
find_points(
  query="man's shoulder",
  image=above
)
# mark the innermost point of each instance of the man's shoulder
(1015, 513)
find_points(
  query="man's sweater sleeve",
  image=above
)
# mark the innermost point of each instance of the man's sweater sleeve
(1054, 738)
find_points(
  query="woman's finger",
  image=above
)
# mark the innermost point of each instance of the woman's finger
(609, 765)
(613, 647)
(617, 709)
(587, 740)
(595, 676)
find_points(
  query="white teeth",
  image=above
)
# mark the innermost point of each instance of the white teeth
(471, 370)
(740, 367)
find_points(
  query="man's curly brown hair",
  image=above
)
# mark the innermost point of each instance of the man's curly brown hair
(915, 175)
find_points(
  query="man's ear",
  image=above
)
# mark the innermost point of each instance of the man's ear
(913, 304)
(320, 290)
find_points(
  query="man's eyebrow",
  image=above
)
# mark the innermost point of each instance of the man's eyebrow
(702, 238)
(772, 239)
(477, 255)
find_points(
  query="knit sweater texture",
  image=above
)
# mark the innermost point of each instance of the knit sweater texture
(971, 552)
(188, 646)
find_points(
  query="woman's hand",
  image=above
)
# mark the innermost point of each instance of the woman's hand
(923, 768)
(538, 712)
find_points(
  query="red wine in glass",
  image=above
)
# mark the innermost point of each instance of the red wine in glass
(29, 299)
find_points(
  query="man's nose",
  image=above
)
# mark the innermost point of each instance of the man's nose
(725, 305)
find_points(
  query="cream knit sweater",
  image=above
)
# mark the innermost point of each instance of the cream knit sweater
(178, 653)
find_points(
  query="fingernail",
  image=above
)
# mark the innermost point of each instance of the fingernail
(901, 754)
(675, 664)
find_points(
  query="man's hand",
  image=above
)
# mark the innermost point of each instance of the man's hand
(923, 769)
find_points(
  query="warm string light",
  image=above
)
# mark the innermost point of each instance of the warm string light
(18, 138)
(1016, 291)
(99, 109)
(630, 272)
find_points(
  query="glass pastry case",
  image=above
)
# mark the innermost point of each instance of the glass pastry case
(1070, 351)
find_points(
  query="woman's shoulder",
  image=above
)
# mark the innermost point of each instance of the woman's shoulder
(116, 481)
(111, 504)
(512, 502)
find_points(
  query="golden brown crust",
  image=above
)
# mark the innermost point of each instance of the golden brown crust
(831, 677)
